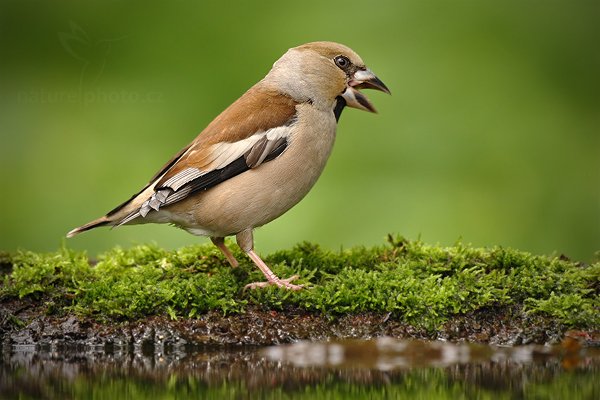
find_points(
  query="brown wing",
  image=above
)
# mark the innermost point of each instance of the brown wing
(253, 130)
(258, 110)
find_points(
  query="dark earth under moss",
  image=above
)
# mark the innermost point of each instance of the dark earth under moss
(259, 327)
(147, 296)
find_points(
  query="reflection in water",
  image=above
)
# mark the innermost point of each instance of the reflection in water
(389, 354)
(380, 368)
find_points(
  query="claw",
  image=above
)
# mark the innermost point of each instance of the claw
(283, 283)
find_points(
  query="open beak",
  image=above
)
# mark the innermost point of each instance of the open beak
(362, 79)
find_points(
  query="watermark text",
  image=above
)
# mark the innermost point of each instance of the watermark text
(88, 97)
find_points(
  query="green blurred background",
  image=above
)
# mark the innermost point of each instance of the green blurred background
(492, 134)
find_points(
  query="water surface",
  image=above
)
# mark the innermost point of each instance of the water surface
(379, 368)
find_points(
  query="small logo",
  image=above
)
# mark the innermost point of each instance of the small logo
(93, 54)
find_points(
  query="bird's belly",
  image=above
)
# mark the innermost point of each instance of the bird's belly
(259, 195)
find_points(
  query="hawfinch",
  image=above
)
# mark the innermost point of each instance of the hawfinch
(259, 157)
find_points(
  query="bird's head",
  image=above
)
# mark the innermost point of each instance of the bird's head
(321, 72)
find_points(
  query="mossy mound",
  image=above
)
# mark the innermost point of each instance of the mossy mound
(408, 281)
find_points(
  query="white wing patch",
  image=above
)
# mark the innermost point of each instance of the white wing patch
(229, 152)
(183, 177)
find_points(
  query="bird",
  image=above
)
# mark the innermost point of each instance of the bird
(259, 157)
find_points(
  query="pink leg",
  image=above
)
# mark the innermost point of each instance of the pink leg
(220, 243)
(272, 279)
(246, 243)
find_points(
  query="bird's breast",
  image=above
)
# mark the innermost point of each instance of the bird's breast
(311, 142)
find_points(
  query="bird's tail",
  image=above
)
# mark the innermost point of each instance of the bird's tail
(125, 213)
(90, 225)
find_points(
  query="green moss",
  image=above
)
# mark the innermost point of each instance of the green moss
(420, 284)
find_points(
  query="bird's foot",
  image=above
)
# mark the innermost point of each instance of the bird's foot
(282, 283)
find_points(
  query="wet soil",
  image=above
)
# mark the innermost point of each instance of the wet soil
(22, 323)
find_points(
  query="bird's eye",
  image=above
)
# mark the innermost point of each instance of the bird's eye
(342, 62)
